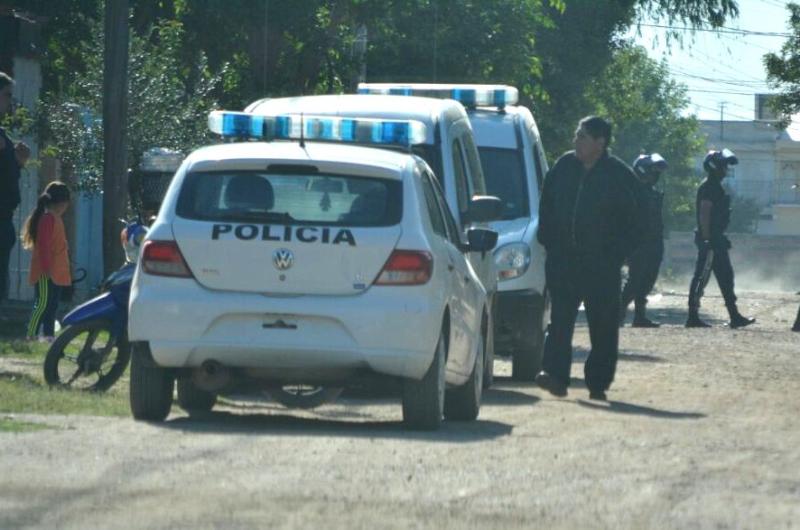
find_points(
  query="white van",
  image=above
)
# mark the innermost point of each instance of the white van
(449, 149)
(514, 167)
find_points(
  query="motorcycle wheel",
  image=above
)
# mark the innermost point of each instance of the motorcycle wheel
(86, 357)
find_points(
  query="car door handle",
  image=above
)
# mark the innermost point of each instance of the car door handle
(466, 279)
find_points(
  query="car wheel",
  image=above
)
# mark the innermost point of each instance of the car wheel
(423, 400)
(526, 360)
(464, 402)
(151, 386)
(193, 399)
(488, 352)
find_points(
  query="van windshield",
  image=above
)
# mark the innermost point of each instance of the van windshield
(504, 172)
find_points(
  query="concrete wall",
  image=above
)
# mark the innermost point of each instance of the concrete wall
(760, 262)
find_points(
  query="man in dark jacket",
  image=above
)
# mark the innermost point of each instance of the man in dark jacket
(589, 223)
(13, 158)
(643, 265)
(713, 217)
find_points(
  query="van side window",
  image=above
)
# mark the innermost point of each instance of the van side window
(452, 229)
(475, 169)
(462, 189)
(437, 222)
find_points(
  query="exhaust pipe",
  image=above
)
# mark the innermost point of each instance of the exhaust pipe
(212, 376)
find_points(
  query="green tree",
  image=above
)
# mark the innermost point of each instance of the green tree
(168, 102)
(647, 107)
(783, 69)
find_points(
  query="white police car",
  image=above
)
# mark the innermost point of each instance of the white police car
(514, 166)
(449, 149)
(251, 277)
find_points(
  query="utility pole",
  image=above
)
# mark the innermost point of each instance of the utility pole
(115, 118)
(722, 122)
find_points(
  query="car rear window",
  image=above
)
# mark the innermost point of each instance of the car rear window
(290, 198)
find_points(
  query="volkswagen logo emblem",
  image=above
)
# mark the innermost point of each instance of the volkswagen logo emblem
(283, 259)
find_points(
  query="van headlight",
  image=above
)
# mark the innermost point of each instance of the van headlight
(512, 260)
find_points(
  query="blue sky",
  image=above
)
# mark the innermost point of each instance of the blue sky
(729, 63)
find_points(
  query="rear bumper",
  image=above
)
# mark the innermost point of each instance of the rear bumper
(389, 330)
(517, 314)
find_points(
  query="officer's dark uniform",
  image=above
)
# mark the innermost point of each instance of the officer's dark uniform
(644, 263)
(9, 200)
(589, 224)
(712, 254)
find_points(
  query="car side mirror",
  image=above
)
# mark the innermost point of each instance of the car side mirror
(481, 240)
(484, 208)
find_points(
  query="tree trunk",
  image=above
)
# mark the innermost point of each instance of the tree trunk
(115, 110)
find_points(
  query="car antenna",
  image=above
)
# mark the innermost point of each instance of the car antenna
(302, 132)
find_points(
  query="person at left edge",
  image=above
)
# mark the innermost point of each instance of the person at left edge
(645, 261)
(13, 158)
(44, 234)
(590, 220)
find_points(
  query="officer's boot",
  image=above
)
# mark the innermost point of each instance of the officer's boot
(737, 319)
(694, 319)
(640, 319)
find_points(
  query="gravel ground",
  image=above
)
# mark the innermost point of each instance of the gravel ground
(702, 431)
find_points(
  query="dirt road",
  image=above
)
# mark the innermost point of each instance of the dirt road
(702, 431)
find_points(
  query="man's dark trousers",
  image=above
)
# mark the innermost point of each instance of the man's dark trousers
(8, 237)
(596, 283)
(643, 266)
(717, 260)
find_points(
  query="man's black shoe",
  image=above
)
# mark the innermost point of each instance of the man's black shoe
(644, 322)
(695, 322)
(597, 395)
(551, 384)
(739, 321)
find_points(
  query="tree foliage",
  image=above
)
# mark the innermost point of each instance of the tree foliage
(169, 102)
(783, 69)
(646, 107)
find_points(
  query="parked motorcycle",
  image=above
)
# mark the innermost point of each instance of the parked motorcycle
(92, 351)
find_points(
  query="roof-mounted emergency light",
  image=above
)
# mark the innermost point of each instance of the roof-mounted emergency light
(468, 95)
(402, 133)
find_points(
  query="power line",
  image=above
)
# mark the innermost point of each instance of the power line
(722, 30)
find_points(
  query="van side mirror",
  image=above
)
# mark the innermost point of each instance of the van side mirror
(481, 240)
(484, 208)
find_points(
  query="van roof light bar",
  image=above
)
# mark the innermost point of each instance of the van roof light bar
(402, 133)
(468, 95)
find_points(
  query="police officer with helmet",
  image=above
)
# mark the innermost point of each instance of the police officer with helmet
(713, 217)
(644, 263)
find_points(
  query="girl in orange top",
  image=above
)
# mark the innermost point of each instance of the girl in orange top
(44, 233)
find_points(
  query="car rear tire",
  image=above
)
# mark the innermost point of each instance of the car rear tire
(487, 327)
(423, 400)
(151, 386)
(464, 402)
(193, 399)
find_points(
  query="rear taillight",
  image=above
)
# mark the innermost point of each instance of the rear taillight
(164, 258)
(406, 267)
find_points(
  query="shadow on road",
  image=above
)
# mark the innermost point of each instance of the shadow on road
(221, 422)
(580, 355)
(629, 408)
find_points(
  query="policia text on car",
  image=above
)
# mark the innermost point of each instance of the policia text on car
(589, 222)
(713, 216)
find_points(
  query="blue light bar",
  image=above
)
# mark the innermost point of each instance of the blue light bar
(468, 95)
(321, 128)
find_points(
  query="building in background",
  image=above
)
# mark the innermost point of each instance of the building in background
(769, 166)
